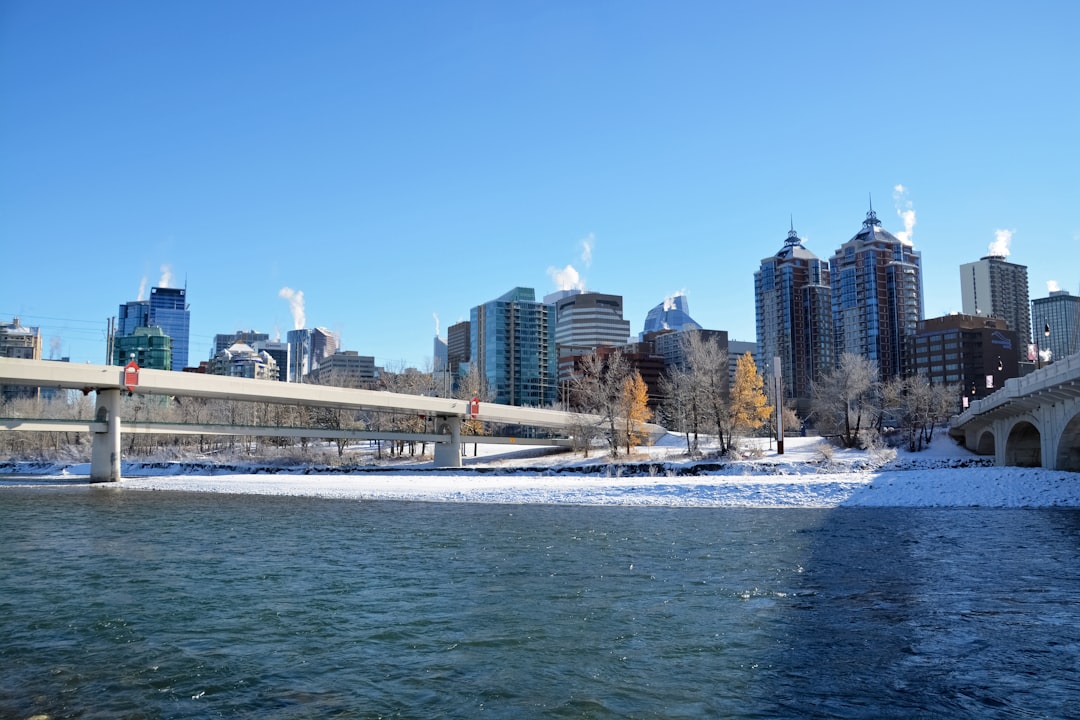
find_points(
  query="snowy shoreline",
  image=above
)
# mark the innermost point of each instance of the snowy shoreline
(943, 476)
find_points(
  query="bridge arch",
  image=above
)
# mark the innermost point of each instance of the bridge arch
(986, 444)
(1023, 445)
(1068, 448)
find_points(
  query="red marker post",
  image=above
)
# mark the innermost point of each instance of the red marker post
(131, 376)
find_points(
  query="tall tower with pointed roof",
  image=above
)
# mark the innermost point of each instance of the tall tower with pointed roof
(877, 297)
(793, 301)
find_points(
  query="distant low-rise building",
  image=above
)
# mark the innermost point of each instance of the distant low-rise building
(22, 342)
(241, 360)
(345, 368)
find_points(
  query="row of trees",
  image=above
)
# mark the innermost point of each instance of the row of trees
(854, 405)
(850, 403)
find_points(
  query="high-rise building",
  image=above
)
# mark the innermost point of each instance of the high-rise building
(793, 301)
(977, 354)
(876, 297)
(457, 346)
(672, 314)
(585, 321)
(513, 346)
(307, 348)
(1061, 313)
(169, 311)
(149, 347)
(134, 314)
(22, 342)
(994, 287)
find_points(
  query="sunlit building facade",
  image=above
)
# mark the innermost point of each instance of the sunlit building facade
(793, 305)
(877, 299)
(513, 346)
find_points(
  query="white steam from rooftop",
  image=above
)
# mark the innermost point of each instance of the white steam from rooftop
(568, 278)
(1052, 286)
(669, 301)
(166, 276)
(436, 316)
(142, 289)
(906, 211)
(1000, 246)
(296, 306)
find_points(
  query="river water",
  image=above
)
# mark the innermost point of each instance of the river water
(130, 604)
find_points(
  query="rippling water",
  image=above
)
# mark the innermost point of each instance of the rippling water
(119, 604)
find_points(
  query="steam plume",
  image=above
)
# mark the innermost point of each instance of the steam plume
(296, 306)
(436, 316)
(56, 347)
(1052, 286)
(142, 289)
(1000, 246)
(669, 301)
(587, 243)
(166, 276)
(567, 278)
(906, 212)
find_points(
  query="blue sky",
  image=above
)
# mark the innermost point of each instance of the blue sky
(400, 163)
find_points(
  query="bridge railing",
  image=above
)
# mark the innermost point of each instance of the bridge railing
(1062, 371)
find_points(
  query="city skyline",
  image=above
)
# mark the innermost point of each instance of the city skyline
(390, 168)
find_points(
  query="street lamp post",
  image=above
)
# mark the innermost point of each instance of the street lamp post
(1038, 353)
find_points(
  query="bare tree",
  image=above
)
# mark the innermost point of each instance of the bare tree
(597, 389)
(844, 401)
(707, 366)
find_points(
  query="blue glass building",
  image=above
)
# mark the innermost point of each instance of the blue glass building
(793, 302)
(169, 311)
(876, 297)
(512, 342)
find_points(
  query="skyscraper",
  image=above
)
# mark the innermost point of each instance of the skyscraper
(1061, 313)
(876, 296)
(307, 348)
(672, 314)
(793, 301)
(587, 320)
(994, 287)
(169, 311)
(513, 346)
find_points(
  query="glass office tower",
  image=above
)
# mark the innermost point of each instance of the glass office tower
(513, 344)
(169, 311)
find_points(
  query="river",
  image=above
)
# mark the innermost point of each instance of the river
(134, 604)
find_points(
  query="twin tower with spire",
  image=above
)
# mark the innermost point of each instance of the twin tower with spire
(866, 299)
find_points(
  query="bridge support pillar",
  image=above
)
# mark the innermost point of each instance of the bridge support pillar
(448, 455)
(105, 456)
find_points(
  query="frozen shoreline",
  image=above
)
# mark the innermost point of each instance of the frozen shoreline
(943, 476)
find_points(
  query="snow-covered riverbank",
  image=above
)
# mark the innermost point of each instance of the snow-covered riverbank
(943, 476)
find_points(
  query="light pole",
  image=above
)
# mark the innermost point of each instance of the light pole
(1038, 354)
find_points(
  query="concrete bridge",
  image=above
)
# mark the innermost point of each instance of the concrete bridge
(110, 382)
(1033, 421)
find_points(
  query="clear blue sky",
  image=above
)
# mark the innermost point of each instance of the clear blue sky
(398, 161)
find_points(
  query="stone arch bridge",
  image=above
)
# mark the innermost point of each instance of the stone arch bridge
(1033, 421)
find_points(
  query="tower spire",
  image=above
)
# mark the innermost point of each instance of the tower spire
(792, 236)
(871, 217)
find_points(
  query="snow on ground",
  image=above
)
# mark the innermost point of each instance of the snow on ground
(944, 475)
